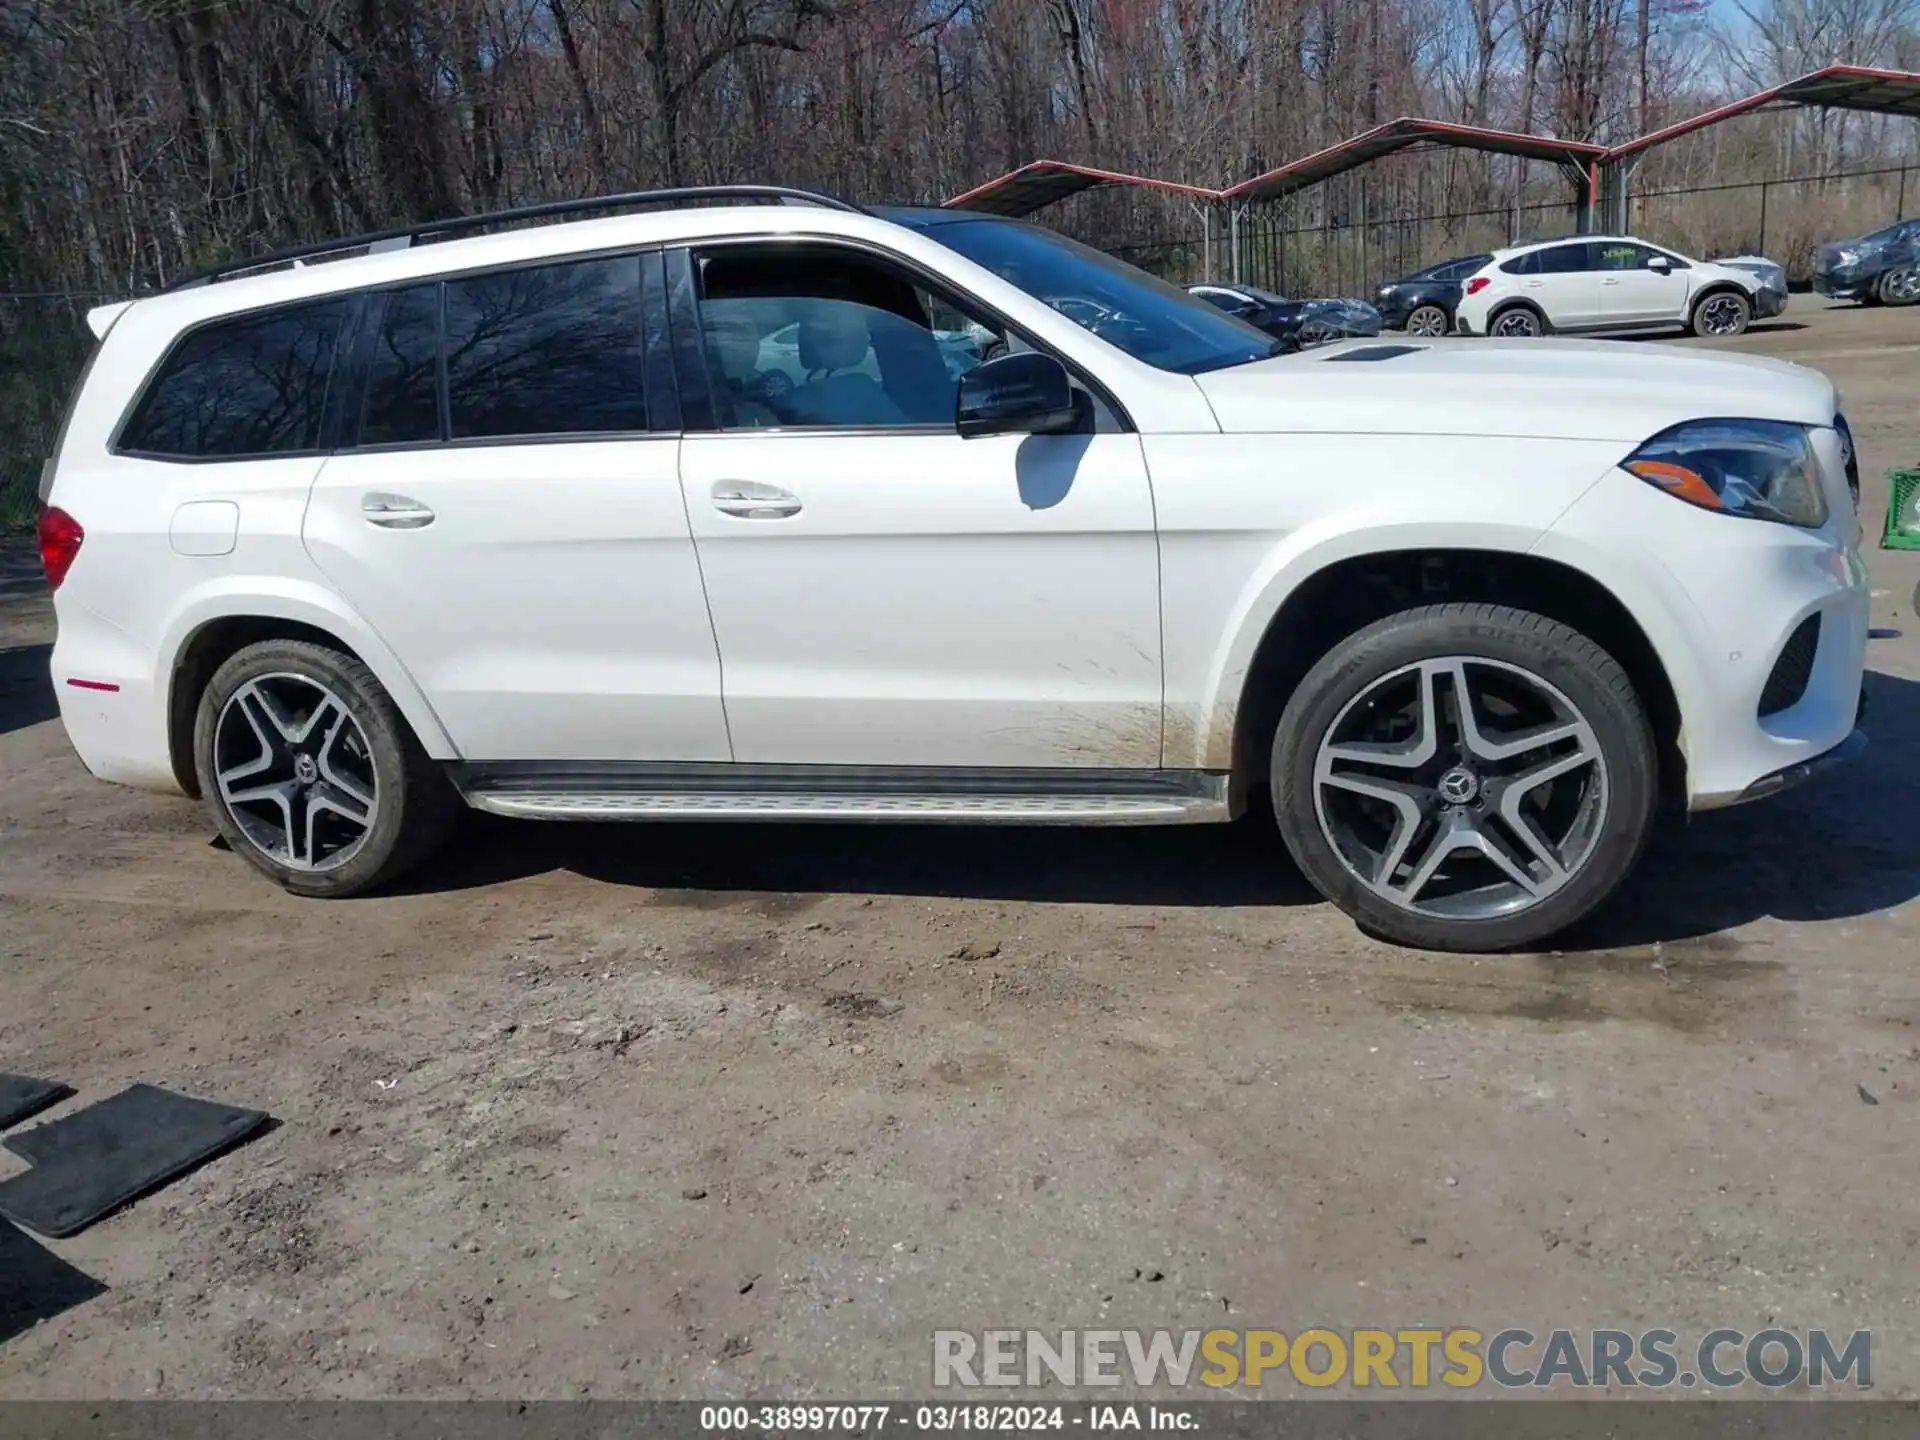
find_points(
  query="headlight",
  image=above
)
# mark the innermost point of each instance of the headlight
(1760, 469)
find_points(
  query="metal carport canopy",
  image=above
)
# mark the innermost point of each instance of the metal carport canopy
(1840, 87)
(1574, 156)
(1043, 182)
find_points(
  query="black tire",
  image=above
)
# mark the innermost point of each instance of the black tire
(1516, 311)
(1729, 302)
(1583, 673)
(1897, 287)
(415, 806)
(1429, 321)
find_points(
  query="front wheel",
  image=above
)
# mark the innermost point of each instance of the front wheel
(1899, 287)
(1722, 315)
(310, 772)
(1428, 322)
(1465, 777)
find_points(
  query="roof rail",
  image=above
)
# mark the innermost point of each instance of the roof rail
(405, 236)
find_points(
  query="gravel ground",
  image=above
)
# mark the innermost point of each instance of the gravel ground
(707, 1111)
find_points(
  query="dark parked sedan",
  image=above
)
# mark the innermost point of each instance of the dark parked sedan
(1300, 324)
(1422, 303)
(1881, 268)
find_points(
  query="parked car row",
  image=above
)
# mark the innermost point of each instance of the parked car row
(1299, 324)
(1572, 284)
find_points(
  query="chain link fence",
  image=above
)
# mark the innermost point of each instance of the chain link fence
(1310, 244)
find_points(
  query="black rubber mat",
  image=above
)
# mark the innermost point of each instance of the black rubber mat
(91, 1162)
(22, 1095)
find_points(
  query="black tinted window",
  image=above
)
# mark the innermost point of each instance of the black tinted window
(1562, 260)
(403, 403)
(1527, 264)
(252, 386)
(550, 351)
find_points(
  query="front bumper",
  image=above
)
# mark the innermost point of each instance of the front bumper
(1843, 286)
(1785, 779)
(1721, 599)
(1768, 303)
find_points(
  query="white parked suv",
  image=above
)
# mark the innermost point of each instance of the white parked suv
(512, 521)
(1611, 282)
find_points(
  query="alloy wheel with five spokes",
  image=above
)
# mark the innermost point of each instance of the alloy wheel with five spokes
(312, 774)
(295, 772)
(1467, 775)
(1428, 322)
(1461, 787)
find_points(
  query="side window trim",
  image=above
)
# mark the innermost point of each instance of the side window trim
(697, 410)
(663, 421)
(656, 341)
(141, 392)
(690, 349)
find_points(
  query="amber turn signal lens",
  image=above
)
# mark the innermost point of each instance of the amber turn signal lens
(1677, 480)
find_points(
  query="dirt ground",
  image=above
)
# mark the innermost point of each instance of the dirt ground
(714, 1111)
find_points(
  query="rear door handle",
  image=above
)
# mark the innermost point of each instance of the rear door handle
(749, 500)
(394, 512)
(1609, 282)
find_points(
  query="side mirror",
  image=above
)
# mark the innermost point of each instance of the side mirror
(1024, 394)
(1660, 265)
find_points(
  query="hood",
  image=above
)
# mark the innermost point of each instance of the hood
(1543, 389)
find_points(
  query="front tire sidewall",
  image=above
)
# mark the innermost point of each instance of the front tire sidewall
(1580, 669)
(1746, 315)
(1431, 314)
(1896, 287)
(385, 850)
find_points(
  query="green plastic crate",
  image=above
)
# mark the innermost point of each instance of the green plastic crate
(1903, 511)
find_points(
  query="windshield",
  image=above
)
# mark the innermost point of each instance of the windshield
(1148, 318)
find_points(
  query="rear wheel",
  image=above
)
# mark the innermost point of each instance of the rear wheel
(1428, 322)
(1465, 777)
(1517, 322)
(1722, 314)
(311, 773)
(1899, 287)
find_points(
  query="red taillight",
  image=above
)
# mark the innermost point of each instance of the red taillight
(1477, 284)
(60, 537)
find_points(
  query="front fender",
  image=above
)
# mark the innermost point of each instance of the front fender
(1282, 571)
(1246, 520)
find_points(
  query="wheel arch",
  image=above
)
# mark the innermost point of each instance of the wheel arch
(1718, 287)
(204, 636)
(1353, 591)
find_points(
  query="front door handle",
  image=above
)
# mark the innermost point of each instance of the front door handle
(1609, 282)
(394, 512)
(748, 500)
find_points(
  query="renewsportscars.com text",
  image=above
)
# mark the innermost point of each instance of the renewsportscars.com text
(1363, 1359)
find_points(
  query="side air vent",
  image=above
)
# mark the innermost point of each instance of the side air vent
(1793, 669)
(1375, 352)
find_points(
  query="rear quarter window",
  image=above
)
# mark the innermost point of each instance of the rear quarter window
(255, 385)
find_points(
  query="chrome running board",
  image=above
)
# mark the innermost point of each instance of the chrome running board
(885, 794)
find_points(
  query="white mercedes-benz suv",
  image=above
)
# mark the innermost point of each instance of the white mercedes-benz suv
(524, 521)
